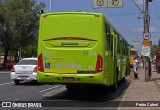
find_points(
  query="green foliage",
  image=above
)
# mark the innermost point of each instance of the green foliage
(25, 17)
(20, 29)
(2, 11)
(155, 49)
(30, 50)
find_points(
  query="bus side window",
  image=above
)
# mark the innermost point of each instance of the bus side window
(115, 44)
(127, 51)
(118, 42)
(111, 44)
(123, 47)
(108, 38)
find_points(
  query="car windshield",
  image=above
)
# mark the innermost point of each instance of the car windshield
(27, 62)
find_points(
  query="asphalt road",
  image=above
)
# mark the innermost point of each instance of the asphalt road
(57, 95)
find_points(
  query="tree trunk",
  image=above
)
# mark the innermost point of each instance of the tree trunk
(5, 58)
(17, 54)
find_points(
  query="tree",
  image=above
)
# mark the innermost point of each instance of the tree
(25, 21)
(5, 33)
(20, 27)
(155, 49)
(1, 13)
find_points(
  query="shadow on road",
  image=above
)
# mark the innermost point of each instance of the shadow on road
(29, 83)
(90, 94)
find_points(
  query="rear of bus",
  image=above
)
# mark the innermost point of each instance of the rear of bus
(70, 48)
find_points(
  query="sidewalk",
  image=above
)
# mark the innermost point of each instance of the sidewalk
(142, 95)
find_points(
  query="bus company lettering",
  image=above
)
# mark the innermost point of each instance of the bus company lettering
(69, 43)
(68, 65)
(49, 53)
(89, 53)
(55, 58)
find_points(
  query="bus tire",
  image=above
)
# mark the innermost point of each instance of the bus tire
(115, 86)
(72, 87)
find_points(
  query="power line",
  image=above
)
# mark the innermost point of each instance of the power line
(138, 6)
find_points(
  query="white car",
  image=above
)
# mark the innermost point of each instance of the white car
(25, 69)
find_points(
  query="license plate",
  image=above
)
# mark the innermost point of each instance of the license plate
(69, 79)
(23, 77)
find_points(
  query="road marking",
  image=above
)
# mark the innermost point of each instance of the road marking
(6, 83)
(54, 92)
(48, 89)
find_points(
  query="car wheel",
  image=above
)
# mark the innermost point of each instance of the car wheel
(16, 82)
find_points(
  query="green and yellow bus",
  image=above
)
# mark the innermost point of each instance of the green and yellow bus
(81, 48)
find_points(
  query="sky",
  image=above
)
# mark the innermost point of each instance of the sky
(128, 19)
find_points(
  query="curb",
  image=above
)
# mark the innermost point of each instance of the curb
(120, 107)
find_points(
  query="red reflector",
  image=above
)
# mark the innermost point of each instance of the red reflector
(40, 63)
(99, 64)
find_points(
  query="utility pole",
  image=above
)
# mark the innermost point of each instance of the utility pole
(146, 17)
(146, 33)
(146, 47)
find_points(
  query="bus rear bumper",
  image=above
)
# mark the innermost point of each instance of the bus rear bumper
(98, 78)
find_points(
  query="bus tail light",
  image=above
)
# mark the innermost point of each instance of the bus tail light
(99, 64)
(40, 63)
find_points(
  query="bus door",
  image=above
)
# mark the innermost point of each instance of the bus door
(128, 59)
(110, 62)
(125, 54)
(115, 44)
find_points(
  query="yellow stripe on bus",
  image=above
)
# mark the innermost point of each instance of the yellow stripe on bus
(61, 70)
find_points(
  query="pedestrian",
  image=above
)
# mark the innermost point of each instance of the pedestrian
(135, 66)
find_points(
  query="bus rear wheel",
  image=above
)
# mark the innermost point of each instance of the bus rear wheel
(115, 86)
(72, 87)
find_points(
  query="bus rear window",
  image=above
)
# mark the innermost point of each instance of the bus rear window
(84, 26)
